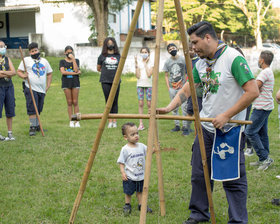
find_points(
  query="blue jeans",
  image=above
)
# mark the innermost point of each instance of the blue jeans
(257, 133)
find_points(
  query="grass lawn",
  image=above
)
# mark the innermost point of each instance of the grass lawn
(40, 176)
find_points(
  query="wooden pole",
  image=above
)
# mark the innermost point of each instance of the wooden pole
(78, 117)
(106, 112)
(195, 108)
(31, 93)
(152, 121)
(160, 173)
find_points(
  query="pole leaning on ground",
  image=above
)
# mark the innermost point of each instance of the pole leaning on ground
(195, 108)
(152, 120)
(31, 93)
(106, 112)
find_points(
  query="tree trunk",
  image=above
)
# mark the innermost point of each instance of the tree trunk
(100, 14)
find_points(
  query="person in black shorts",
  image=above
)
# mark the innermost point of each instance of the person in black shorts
(7, 96)
(107, 64)
(69, 68)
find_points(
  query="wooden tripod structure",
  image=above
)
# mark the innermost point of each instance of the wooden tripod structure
(152, 132)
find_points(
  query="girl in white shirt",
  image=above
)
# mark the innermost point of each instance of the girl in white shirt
(144, 71)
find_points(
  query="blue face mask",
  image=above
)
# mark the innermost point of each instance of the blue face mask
(144, 55)
(2, 51)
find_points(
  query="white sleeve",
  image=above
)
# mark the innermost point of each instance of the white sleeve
(48, 67)
(123, 156)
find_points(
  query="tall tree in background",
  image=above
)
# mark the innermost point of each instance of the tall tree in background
(255, 11)
(224, 17)
(100, 10)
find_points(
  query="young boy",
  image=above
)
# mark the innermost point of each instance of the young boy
(39, 73)
(7, 95)
(175, 78)
(132, 166)
(257, 132)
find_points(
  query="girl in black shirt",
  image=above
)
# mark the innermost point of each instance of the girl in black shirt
(107, 64)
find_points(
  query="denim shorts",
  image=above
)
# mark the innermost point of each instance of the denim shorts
(39, 99)
(7, 98)
(130, 186)
(140, 93)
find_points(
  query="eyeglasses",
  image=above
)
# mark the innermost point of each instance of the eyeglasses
(3, 46)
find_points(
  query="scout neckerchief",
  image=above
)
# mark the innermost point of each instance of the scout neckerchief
(210, 63)
(2, 64)
(2, 67)
(37, 61)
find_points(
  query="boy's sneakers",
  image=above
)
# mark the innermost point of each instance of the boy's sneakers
(2, 138)
(177, 128)
(77, 124)
(275, 201)
(186, 131)
(126, 209)
(190, 221)
(149, 210)
(265, 164)
(114, 124)
(32, 130)
(249, 152)
(10, 137)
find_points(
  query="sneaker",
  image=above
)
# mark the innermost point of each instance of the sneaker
(126, 209)
(249, 152)
(176, 128)
(149, 210)
(110, 125)
(71, 124)
(185, 131)
(32, 131)
(10, 137)
(2, 138)
(190, 221)
(114, 124)
(77, 124)
(141, 127)
(278, 176)
(257, 163)
(265, 164)
(275, 201)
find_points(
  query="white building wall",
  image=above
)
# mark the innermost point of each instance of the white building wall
(71, 29)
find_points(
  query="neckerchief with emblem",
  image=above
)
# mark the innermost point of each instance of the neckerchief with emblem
(3, 68)
(210, 63)
(2, 64)
(37, 61)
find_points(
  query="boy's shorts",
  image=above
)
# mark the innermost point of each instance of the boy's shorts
(130, 186)
(7, 98)
(39, 99)
(140, 93)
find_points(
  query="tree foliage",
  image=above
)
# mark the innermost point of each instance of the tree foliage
(235, 17)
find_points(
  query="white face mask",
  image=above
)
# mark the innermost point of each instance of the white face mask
(2, 51)
(144, 55)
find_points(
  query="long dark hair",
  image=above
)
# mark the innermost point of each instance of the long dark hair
(105, 48)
